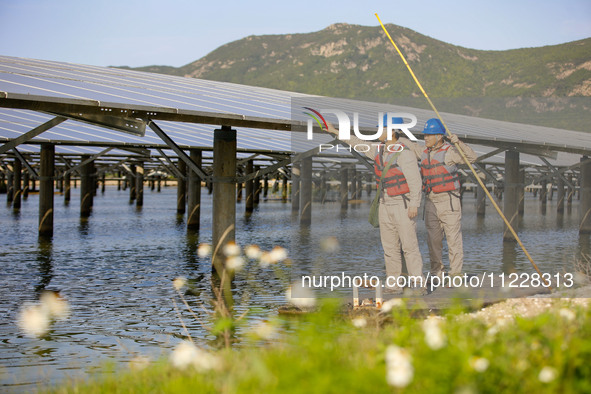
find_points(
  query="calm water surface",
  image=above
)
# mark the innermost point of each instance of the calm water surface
(116, 267)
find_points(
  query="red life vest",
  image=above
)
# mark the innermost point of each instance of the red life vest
(394, 180)
(438, 177)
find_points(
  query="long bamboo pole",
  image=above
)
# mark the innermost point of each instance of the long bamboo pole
(459, 149)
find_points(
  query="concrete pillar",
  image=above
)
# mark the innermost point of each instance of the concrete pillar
(344, 187)
(47, 163)
(249, 188)
(511, 200)
(284, 189)
(26, 181)
(265, 187)
(295, 187)
(544, 192)
(239, 188)
(103, 183)
(9, 187)
(257, 187)
(551, 192)
(481, 198)
(139, 184)
(570, 191)
(353, 179)
(67, 187)
(323, 187)
(560, 195)
(306, 192)
(17, 183)
(194, 201)
(86, 187)
(224, 192)
(585, 187)
(369, 185)
(181, 192)
(480, 201)
(132, 183)
(521, 192)
(359, 185)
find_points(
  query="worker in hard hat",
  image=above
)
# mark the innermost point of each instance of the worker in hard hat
(399, 204)
(441, 185)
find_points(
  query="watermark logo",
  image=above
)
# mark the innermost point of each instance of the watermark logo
(389, 120)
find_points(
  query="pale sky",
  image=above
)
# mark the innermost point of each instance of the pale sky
(177, 32)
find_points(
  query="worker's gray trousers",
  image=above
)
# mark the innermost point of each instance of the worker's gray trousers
(443, 215)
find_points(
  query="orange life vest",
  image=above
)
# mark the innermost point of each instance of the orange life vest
(438, 177)
(394, 180)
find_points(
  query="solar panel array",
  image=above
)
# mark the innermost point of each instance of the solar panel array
(57, 80)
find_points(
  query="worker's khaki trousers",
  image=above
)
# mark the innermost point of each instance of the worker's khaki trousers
(443, 214)
(396, 230)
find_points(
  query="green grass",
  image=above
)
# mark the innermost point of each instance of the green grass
(325, 353)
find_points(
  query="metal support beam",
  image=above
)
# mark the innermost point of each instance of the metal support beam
(118, 123)
(489, 154)
(555, 171)
(170, 165)
(264, 171)
(32, 134)
(180, 153)
(23, 160)
(88, 160)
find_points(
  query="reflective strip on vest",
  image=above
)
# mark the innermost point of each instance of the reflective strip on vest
(438, 177)
(394, 180)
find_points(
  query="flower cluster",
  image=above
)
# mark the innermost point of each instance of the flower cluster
(186, 355)
(434, 336)
(236, 257)
(35, 319)
(399, 369)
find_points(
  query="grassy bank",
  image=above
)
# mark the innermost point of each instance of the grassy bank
(327, 352)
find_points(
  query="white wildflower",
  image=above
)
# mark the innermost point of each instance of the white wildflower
(567, 314)
(359, 322)
(299, 296)
(138, 363)
(34, 320)
(203, 250)
(547, 374)
(329, 244)
(392, 303)
(231, 249)
(253, 252)
(492, 331)
(186, 354)
(265, 259)
(399, 369)
(264, 330)
(57, 307)
(479, 364)
(179, 282)
(434, 336)
(235, 263)
(278, 254)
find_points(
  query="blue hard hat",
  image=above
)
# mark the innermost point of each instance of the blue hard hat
(434, 126)
(395, 120)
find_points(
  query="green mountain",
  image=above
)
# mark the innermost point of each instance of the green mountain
(548, 85)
